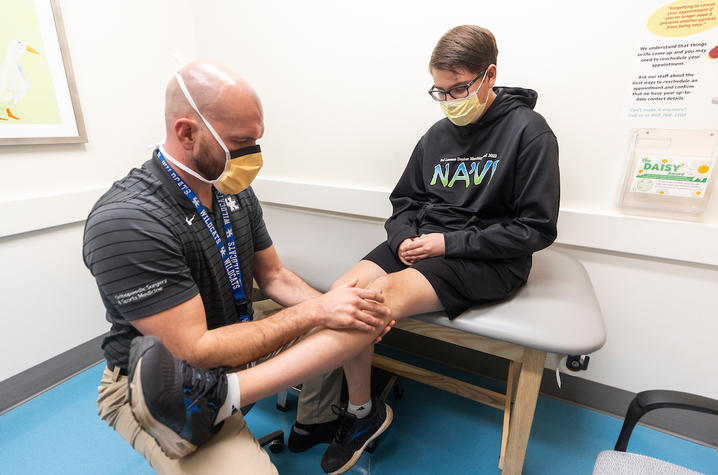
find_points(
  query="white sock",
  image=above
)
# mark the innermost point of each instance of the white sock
(361, 411)
(231, 404)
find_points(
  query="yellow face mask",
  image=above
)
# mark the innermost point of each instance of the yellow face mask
(466, 110)
(238, 174)
(240, 171)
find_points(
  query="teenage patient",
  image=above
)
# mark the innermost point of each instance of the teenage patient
(479, 195)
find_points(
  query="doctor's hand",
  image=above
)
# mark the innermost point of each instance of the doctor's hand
(350, 307)
(386, 330)
(425, 246)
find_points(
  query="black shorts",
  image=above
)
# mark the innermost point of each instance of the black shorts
(460, 283)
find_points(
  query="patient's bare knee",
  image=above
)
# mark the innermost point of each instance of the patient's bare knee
(386, 286)
(380, 283)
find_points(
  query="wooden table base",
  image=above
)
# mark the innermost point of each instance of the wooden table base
(522, 387)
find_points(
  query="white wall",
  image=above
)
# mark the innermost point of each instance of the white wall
(344, 83)
(328, 74)
(121, 54)
(49, 300)
(660, 320)
(343, 86)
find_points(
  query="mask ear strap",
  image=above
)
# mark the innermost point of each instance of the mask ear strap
(482, 83)
(196, 109)
(183, 166)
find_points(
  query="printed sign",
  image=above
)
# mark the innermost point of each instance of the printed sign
(686, 177)
(675, 72)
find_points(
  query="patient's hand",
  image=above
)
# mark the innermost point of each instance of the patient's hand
(401, 250)
(426, 245)
(348, 306)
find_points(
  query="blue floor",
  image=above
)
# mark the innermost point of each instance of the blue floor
(434, 432)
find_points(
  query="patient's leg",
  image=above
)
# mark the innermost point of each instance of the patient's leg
(364, 272)
(406, 292)
(317, 396)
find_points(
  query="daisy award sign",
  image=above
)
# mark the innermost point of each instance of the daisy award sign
(670, 172)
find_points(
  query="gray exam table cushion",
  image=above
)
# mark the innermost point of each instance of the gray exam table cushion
(556, 311)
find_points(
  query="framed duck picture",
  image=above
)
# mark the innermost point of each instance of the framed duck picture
(38, 98)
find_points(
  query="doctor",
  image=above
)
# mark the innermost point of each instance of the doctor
(174, 246)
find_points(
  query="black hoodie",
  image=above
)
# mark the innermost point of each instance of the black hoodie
(492, 187)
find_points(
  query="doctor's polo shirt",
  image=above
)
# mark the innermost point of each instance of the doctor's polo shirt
(149, 251)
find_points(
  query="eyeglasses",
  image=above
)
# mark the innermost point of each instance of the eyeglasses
(456, 92)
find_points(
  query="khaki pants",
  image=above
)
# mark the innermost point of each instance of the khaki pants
(318, 395)
(233, 449)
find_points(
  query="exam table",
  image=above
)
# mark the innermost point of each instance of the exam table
(555, 312)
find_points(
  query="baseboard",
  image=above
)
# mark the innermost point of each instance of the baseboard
(600, 397)
(34, 381)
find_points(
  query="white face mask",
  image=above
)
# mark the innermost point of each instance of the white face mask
(241, 166)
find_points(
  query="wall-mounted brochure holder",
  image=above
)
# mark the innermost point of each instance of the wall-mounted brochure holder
(669, 173)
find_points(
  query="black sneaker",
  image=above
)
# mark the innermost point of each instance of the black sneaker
(354, 435)
(305, 436)
(174, 401)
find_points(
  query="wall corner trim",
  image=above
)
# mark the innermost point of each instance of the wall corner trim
(23, 215)
(605, 230)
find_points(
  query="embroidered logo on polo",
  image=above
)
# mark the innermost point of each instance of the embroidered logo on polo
(469, 170)
(140, 293)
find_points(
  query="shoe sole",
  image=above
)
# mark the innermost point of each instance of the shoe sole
(170, 442)
(357, 454)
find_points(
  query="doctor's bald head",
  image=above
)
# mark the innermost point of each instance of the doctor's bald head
(218, 92)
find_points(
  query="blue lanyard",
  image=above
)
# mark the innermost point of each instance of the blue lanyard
(228, 253)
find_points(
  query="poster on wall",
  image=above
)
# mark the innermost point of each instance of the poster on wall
(38, 97)
(673, 107)
(675, 73)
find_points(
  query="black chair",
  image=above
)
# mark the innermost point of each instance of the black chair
(275, 440)
(620, 462)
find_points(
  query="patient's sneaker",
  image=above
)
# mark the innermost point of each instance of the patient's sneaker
(177, 403)
(305, 436)
(354, 435)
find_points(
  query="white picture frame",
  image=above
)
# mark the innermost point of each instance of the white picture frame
(39, 103)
